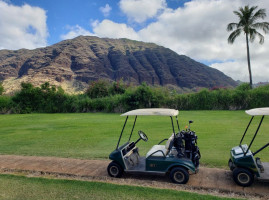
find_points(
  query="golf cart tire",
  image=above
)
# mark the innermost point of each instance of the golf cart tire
(114, 170)
(231, 165)
(179, 175)
(243, 177)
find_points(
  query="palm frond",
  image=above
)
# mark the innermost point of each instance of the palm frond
(252, 35)
(239, 14)
(234, 35)
(251, 9)
(261, 25)
(232, 26)
(260, 14)
(261, 37)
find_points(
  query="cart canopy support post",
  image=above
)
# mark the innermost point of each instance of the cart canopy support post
(246, 130)
(122, 131)
(177, 124)
(173, 125)
(132, 128)
(255, 134)
(261, 149)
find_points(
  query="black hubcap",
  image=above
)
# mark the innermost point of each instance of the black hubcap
(114, 170)
(179, 176)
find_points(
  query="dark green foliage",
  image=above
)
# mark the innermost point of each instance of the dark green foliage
(117, 97)
(142, 96)
(102, 88)
(243, 87)
(45, 98)
(118, 87)
(1, 88)
(5, 104)
(98, 89)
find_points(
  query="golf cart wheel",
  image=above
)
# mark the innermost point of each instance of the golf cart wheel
(243, 177)
(114, 170)
(179, 175)
(231, 165)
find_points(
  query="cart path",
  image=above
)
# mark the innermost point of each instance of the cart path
(211, 180)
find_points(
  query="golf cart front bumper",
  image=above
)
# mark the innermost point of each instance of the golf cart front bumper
(239, 151)
(242, 158)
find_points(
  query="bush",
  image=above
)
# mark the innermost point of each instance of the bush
(5, 104)
(1, 88)
(118, 97)
(98, 89)
(102, 88)
(118, 87)
(243, 87)
(143, 96)
(45, 98)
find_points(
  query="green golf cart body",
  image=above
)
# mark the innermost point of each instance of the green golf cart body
(243, 163)
(160, 159)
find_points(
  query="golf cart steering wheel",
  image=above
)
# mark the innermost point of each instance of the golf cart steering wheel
(143, 136)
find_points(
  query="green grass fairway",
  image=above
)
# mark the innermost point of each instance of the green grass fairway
(95, 135)
(18, 187)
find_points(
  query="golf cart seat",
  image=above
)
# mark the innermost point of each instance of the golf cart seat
(161, 150)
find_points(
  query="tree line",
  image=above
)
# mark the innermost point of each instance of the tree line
(102, 96)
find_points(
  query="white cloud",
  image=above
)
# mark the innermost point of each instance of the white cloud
(106, 10)
(198, 30)
(141, 10)
(110, 29)
(238, 69)
(75, 31)
(94, 23)
(22, 26)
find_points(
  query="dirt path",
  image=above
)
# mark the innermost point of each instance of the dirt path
(209, 180)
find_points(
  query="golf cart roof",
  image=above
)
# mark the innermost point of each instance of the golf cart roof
(258, 111)
(152, 112)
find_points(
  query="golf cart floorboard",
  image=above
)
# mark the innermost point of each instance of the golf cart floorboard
(265, 174)
(141, 168)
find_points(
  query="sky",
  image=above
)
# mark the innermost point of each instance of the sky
(195, 28)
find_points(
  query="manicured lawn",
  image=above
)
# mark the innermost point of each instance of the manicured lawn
(95, 135)
(19, 187)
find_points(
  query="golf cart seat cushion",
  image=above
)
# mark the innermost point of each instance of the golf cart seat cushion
(158, 148)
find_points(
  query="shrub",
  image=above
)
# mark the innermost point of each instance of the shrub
(118, 87)
(98, 89)
(243, 87)
(45, 98)
(1, 88)
(118, 97)
(5, 104)
(143, 96)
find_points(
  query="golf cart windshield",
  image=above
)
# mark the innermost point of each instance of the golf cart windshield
(255, 112)
(149, 112)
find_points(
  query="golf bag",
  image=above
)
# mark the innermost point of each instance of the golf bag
(186, 145)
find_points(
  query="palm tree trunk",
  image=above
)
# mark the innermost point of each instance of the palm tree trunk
(249, 68)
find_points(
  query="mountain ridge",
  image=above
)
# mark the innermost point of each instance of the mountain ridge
(73, 63)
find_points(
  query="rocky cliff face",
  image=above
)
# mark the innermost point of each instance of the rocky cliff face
(74, 63)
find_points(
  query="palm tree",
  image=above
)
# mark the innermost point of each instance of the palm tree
(249, 25)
